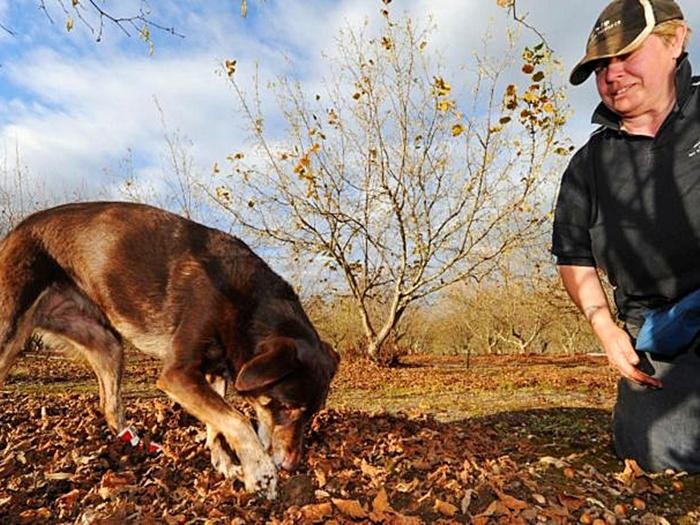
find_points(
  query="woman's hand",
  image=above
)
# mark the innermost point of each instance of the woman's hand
(585, 289)
(621, 355)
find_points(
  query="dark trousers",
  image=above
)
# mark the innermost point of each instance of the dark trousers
(661, 428)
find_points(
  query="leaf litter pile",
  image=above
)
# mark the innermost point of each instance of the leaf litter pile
(401, 456)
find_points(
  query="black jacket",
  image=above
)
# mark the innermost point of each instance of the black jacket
(630, 205)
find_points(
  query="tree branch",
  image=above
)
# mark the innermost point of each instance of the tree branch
(511, 5)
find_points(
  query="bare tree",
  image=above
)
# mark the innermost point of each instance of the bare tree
(512, 7)
(94, 14)
(19, 195)
(392, 178)
(178, 188)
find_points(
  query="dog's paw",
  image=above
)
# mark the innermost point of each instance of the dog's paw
(222, 458)
(262, 477)
(223, 463)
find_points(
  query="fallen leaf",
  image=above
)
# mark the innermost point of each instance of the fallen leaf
(511, 502)
(321, 479)
(408, 487)
(496, 508)
(321, 494)
(69, 499)
(572, 503)
(316, 512)
(33, 515)
(400, 519)
(112, 485)
(370, 471)
(445, 508)
(467, 500)
(632, 471)
(350, 508)
(381, 502)
(556, 462)
(58, 476)
(539, 498)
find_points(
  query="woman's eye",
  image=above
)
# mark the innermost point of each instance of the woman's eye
(600, 65)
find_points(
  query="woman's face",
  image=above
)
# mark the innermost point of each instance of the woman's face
(640, 82)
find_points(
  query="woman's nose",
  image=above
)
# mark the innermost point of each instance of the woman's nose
(613, 69)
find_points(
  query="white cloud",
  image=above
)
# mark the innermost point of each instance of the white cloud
(90, 112)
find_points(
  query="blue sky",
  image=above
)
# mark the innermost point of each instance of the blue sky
(74, 108)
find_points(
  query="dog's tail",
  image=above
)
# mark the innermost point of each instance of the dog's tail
(26, 270)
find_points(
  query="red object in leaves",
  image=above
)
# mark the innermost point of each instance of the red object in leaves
(129, 435)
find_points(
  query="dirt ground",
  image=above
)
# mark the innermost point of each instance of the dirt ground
(498, 439)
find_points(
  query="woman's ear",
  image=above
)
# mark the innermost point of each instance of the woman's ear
(677, 44)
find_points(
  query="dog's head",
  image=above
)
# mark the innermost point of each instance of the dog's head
(287, 382)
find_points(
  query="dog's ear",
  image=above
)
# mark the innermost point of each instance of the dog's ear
(277, 358)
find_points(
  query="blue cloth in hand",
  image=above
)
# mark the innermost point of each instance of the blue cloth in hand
(667, 331)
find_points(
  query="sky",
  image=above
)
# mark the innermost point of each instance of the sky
(77, 114)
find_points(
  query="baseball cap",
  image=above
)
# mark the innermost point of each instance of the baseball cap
(621, 28)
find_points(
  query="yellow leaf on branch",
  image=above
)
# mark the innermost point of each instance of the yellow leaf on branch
(230, 66)
(441, 88)
(445, 105)
(530, 97)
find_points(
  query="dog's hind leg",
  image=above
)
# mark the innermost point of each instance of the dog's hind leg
(64, 316)
(221, 453)
(25, 271)
(105, 359)
(13, 344)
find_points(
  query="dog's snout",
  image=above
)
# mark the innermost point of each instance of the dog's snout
(290, 466)
(288, 461)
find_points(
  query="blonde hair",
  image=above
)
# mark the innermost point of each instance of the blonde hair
(667, 31)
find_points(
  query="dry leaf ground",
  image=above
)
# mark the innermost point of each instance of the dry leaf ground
(505, 440)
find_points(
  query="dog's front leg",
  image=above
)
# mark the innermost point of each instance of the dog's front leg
(187, 386)
(221, 457)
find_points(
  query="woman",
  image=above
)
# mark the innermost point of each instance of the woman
(629, 207)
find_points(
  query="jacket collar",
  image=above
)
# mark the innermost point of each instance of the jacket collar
(607, 118)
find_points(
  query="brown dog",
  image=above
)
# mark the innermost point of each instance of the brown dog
(94, 275)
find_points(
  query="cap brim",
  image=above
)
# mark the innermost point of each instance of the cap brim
(585, 67)
(581, 71)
